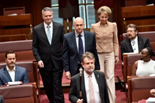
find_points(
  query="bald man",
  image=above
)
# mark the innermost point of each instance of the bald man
(74, 45)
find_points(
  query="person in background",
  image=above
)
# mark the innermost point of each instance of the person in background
(74, 45)
(93, 83)
(107, 47)
(133, 43)
(11, 72)
(67, 10)
(47, 50)
(1, 99)
(145, 66)
(152, 91)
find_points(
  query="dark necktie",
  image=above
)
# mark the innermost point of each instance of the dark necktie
(80, 47)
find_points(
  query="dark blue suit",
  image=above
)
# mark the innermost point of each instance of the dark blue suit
(70, 51)
(20, 75)
(75, 88)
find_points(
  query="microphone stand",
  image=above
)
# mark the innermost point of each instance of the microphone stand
(80, 94)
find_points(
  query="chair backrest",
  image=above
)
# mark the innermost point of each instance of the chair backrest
(31, 68)
(23, 49)
(139, 87)
(25, 93)
(129, 59)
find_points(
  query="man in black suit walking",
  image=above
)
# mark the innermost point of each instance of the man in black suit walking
(93, 83)
(47, 50)
(75, 44)
(133, 43)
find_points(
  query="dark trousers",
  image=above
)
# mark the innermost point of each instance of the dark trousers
(52, 84)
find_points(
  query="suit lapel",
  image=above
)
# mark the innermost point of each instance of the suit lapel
(97, 76)
(43, 32)
(83, 88)
(74, 41)
(85, 37)
(54, 31)
(16, 73)
(7, 74)
(140, 44)
(129, 46)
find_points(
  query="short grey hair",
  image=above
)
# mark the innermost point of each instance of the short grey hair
(47, 9)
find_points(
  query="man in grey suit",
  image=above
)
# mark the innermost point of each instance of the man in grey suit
(72, 50)
(47, 50)
(133, 43)
(11, 72)
(98, 84)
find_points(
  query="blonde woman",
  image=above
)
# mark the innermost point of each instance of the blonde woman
(107, 47)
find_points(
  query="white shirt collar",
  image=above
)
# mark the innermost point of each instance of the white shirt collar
(76, 34)
(9, 69)
(45, 25)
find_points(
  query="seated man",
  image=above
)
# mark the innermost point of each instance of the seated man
(93, 83)
(2, 99)
(145, 66)
(133, 43)
(11, 72)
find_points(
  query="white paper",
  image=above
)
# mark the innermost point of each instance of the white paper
(14, 83)
(150, 100)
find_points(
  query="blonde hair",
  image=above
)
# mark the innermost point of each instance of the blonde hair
(104, 9)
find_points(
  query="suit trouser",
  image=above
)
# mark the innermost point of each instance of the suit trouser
(52, 84)
(108, 60)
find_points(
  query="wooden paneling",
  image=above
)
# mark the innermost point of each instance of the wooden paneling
(15, 27)
(142, 16)
(33, 7)
(135, 2)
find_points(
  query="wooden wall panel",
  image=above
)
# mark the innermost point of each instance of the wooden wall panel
(31, 6)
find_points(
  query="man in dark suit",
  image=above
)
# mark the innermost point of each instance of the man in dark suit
(133, 43)
(11, 72)
(93, 83)
(47, 50)
(71, 48)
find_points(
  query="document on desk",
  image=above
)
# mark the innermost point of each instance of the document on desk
(14, 83)
(150, 100)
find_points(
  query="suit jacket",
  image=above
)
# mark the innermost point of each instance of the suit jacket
(70, 51)
(126, 45)
(75, 88)
(42, 50)
(20, 75)
(62, 3)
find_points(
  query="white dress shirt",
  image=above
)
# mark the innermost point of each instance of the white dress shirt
(95, 86)
(77, 40)
(51, 29)
(11, 73)
(134, 44)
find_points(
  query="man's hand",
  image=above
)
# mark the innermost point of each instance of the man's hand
(116, 59)
(68, 75)
(79, 101)
(41, 64)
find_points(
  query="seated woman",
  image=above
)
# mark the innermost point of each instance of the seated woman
(152, 91)
(145, 66)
